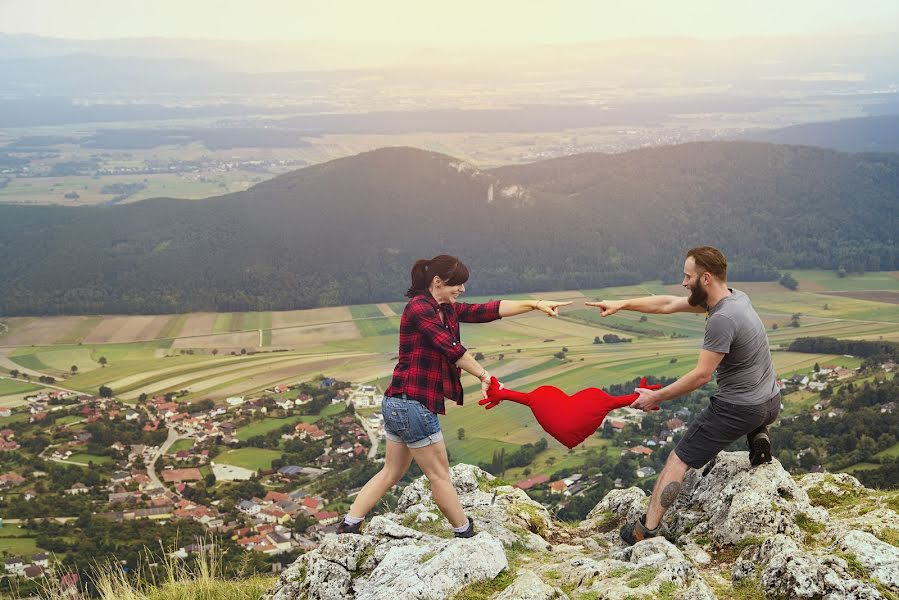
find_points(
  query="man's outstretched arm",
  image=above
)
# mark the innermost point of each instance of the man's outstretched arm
(661, 305)
(700, 375)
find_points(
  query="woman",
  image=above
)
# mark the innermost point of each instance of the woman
(431, 357)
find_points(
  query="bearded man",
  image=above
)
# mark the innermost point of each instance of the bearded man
(748, 396)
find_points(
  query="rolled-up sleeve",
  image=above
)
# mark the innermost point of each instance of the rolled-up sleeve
(428, 323)
(477, 313)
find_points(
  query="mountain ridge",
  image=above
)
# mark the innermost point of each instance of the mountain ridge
(347, 231)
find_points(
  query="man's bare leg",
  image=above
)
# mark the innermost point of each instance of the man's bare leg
(667, 487)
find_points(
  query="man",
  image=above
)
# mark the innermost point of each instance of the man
(748, 397)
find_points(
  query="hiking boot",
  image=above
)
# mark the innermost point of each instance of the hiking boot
(468, 532)
(344, 527)
(759, 449)
(637, 532)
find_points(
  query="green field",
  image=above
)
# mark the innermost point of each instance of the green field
(9, 386)
(474, 450)
(16, 418)
(328, 411)
(265, 426)
(371, 321)
(248, 458)
(527, 344)
(890, 453)
(180, 445)
(84, 458)
(17, 542)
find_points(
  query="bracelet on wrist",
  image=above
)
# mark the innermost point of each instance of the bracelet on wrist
(483, 375)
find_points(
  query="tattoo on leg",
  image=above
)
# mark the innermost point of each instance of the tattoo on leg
(669, 494)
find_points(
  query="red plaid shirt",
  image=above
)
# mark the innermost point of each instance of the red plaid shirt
(429, 349)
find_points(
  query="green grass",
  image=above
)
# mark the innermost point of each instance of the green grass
(265, 426)
(379, 326)
(85, 458)
(473, 450)
(20, 417)
(328, 411)
(8, 386)
(17, 542)
(248, 458)
(850, 283)
(181, 445)
(371, 321)
(59, 359)
(889, 453)
(69, 419)
(364, 311)
(29, 361)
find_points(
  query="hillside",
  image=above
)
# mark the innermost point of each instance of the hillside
(864, 134)
(346, 232)
(734, 532)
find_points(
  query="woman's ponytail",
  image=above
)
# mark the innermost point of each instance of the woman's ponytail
(419, 278)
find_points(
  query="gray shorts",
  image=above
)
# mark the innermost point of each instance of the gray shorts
(409, 422)
(722, 423)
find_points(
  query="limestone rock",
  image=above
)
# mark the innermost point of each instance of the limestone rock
(528, 586)
(789, 572)
(879, 558)
(419, 572)
(730, 502)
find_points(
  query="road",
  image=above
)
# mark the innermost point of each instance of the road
(151, 466)
(372, 436)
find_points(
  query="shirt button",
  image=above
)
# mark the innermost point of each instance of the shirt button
(454, 343)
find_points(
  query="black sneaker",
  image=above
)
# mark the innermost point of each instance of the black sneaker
(468, 532)
(637, 532)
(344, 527)
(759, 449)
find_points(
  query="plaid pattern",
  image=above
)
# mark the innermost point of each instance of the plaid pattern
(429, 349)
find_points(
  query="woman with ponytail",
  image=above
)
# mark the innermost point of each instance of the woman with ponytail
(431, 358)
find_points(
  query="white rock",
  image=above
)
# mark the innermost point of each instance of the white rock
(408, 573)
(528, 586)
(879, 558)
(732, 501)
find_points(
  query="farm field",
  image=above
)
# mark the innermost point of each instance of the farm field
(254, 459)
(17, 542)
(236, 354)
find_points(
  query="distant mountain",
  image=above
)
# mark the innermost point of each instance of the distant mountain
(347, 231)
(864, 134)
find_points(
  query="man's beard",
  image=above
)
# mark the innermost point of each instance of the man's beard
(698, 295)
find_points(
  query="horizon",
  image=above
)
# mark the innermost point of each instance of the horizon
(402, 22)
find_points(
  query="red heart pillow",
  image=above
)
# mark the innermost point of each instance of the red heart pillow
(569, 419)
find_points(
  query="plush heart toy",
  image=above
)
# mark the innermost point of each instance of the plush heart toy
(569, 419)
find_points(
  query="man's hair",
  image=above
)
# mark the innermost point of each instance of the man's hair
(711, 260)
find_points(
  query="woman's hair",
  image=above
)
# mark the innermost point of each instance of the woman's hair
(448, 268)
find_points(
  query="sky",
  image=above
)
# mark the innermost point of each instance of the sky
(446, 23)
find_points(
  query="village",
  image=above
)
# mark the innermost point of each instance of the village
(263, 472)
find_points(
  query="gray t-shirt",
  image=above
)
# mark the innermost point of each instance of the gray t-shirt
(745, 374)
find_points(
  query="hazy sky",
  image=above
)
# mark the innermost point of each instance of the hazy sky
(443, 23)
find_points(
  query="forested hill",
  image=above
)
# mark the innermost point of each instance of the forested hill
(347, 231)
(862, 134)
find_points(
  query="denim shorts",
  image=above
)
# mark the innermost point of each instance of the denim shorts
(409, 422)
(720, 424)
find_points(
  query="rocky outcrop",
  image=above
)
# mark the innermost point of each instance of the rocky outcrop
(734, 531)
